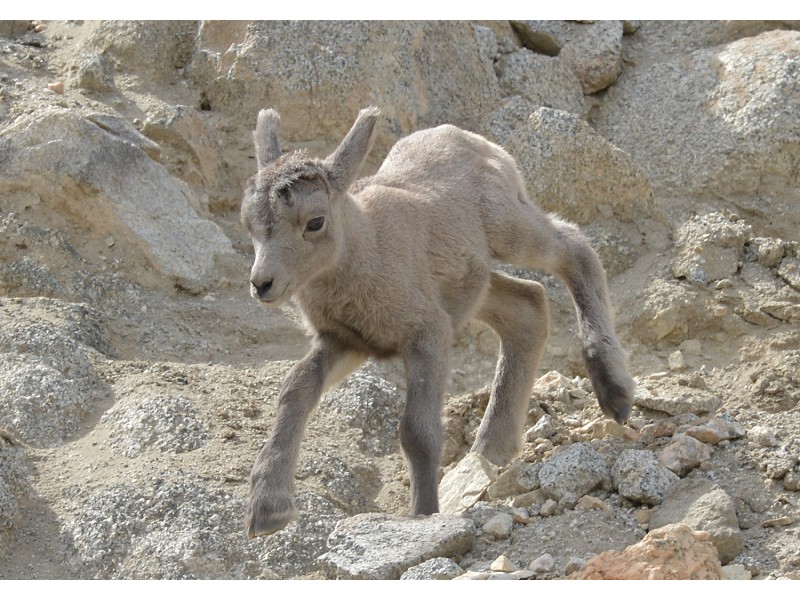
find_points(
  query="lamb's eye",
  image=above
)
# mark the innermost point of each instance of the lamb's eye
(315, 224)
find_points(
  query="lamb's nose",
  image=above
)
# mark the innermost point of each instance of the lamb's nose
(262, 288)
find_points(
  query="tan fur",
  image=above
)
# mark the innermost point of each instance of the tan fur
(398, 265)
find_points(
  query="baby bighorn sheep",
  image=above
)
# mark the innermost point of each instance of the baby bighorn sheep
(395, 265)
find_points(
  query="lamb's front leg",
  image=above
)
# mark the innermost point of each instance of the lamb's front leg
(427, 367)
(270, 506)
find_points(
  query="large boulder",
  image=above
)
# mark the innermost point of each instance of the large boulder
(151, 48)
(720, 121)
(319, 74)
(101, 172)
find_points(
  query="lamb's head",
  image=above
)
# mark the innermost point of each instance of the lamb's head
(295, 207)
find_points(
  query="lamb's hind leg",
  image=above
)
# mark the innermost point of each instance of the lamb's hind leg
(580, 268)
(517, 311)
(560, 248)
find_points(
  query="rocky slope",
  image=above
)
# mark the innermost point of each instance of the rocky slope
(137, 378)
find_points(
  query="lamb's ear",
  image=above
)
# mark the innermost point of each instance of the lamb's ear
(268, 146)
(345, 162)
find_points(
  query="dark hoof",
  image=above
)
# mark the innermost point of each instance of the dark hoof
(612, 384)
(616, 399)
(265, 518)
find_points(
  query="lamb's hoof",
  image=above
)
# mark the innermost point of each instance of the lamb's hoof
(616, 401)
(265, 518)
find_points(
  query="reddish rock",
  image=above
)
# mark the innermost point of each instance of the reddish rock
(672, 552)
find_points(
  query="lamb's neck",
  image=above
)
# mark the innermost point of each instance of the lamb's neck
(359, 246)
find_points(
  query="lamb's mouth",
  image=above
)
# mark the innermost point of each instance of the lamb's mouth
(273, 300)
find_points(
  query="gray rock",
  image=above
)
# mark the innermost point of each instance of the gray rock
(548, 508)
(544, 428)
(684, 454)
(716, 431)
(731, 105)
(763, 436)
(13, 479)
(157, 48)
(132, 197)
(544, 564)
(675, 399)
(466, 483)
(519, 477)
(595, 55)
(709, 248)
(639, 476)
(499, 526)
(439, 568)
(163, 527)
(573, 472)
(735, 571)
(544, 37)
(165, 422)
(541, 80)
(704, 506)
(47, 381)
(565, 163)
(790, 271)
(94, 73)
(192, 153)
(487, 44)
(380, 546)
(319, 74)
(371, 405)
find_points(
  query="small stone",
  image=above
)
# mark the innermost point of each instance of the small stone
(474, 576)
(57, 87)
(716, 431)
(439, 568)
(548, 508)
(643, 515)
(762, 436)
(529, 498)
(778, 522)
(521, 515)
(499, 526)
(602, 428)
(544, 564)
(663, 428)
(544, 428)
(736, 571)
(110, 241)
(697, 382)
(676, 361)
(684, 454)
(464, 485)
(574, 565)
(513, 576)
(592, 503)
(503, 565)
